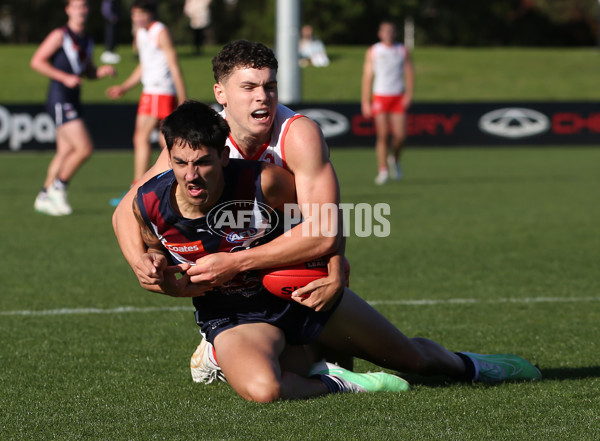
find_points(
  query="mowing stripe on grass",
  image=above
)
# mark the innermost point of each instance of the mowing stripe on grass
(422, 302)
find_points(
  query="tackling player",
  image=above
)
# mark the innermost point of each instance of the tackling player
(262, 129)
(259, 338)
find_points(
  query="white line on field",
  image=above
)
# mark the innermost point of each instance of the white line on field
(119, 310)
(421, 302)
(425, 302)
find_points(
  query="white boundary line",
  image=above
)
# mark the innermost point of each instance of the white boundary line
(485, 301)
(74, 311)
(423, 302)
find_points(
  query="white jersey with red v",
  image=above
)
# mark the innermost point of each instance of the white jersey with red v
(272, 151)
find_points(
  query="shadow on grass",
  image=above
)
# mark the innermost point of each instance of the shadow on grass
(571, 373)
(547, 374)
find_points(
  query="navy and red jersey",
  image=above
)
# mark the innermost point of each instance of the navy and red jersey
(74, 57)
(243, 299)
(236, 222)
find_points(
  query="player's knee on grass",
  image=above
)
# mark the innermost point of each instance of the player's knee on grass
(260, 389)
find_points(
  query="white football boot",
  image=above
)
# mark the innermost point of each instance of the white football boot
(43, 204)
(58, 196)
(204, 366)
(382, 177)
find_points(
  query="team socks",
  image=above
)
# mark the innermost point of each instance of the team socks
(333, 384)
(60, 184)
(470, 371)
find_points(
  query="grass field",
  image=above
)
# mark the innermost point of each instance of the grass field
(442, 74)
(490, 250)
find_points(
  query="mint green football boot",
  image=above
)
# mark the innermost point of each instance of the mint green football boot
(494, 368)
(367, 382)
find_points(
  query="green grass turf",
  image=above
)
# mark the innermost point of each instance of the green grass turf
(442, 74)
(512, 232)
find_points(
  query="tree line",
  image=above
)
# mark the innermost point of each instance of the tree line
(343, 22)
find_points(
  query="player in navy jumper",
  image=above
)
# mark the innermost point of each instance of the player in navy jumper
(65, 56)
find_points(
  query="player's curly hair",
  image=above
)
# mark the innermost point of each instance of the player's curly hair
(195, 125)
(242, 54)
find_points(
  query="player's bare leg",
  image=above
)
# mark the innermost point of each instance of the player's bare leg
(142, 150)
(295, 358)
(360, 330)
(319, 352)
(398, 130)
(76, 135)
(382, 131)
(63, 149)
(73, 147)
(249, 357)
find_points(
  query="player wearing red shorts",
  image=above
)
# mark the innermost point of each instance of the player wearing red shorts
(387, 88)
(160, 75)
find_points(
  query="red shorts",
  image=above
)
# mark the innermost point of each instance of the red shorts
(158, 106)
(387, 104)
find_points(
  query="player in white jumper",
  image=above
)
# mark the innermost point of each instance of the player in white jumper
(272, 151)
(160, 75)
(388, 75)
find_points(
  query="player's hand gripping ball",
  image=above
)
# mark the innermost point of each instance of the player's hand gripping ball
(283, 281)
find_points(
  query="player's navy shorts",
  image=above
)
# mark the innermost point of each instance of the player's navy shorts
(62, 112)
(300, 324)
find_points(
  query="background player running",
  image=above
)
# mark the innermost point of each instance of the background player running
(65, 56)
(388, 72)
(161, 78)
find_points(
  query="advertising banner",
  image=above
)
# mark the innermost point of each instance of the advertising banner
(468, 124)
(29, 127)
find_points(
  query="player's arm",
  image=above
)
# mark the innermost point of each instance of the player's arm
(316, 183)
(125, 225)
(409, 80)
(279, 189)
(277, 185)
(162, 278)
(316, 186)
(153, 244)
(133, 80)
(155, 257)
(367, 81)
(92, 72)
(166, 44)
(40, 61)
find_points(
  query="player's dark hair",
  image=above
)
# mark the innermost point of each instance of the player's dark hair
(389, 21)
(146, 5)
(242, 54)
(195, 124)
